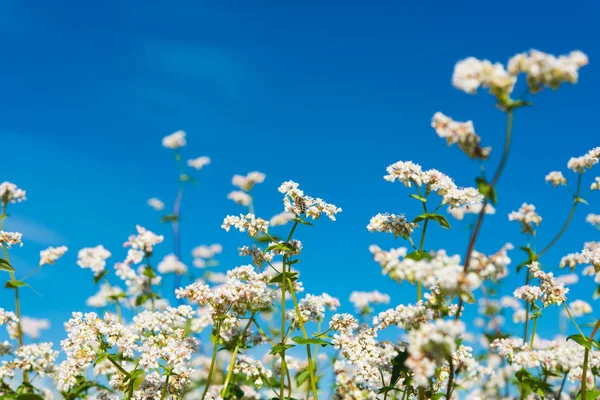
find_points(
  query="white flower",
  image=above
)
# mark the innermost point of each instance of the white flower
(239, 197)
(144, 241)
(9, 239)
(459, 212)
(461, 133)
(171, 264)
(245, 223)
(586, 161)
(594, 220)
(471, 73)
(463, 197)
(578, 308)
(246, 183)
(93, 258)
(596, 184)
(556, 178)
(395, 224)
(296, 202)
(10, 193)
(406, 172)
(281, 218)
(527, 216)
(105, 294)
(156, 204)
(174, 140)
(51, 254)
(546, 70)
(199, 163)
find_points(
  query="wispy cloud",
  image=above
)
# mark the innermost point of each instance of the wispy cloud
(34, 231)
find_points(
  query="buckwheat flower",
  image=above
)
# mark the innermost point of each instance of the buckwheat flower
(406, 172)
(251, 369)
(460, 212)
(343, 322)
(156, 204)
(282, 218)
(395, 224)
(471, 73)
(93, 258)
(145, 240)
(9, 319)
(9, 239)
(556, 178)
(259, 258)
(292, 248)
(578, 308)
(507, 347)
(406, 316)
(199, 163)
(594, 220)
(10, 193)
(296, 202)
(363, 301)
(312, 308)
(553, 291)
(105, 295)
(245, 223)
(171, 264)
(463, 197)
(596, 184)
(246, 183)
(239, 197)
(174, 141)
(528, 293)
(35, 358)
(546, 70)
(51, 254)
(586, 161)
(527, 217)
(429, 347)
(460, 133)
(207, 252)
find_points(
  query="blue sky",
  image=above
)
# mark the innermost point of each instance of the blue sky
(324, 93)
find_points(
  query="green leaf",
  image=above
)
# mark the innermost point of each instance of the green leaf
(279, 348)
(15, 284)
(267, 239)
(100, 359)
(420, 198)
(582, 340)
(302, 221)
(301, 340)
(418, 256)
(581, 200)
(293, 276)
(169, 218)
(302, 376)
(5, 266)
(398, 367)
(436, 217)
(29, 396)
(100, 276)
(486, 190)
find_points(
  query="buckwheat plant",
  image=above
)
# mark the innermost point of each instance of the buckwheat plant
(253, 331)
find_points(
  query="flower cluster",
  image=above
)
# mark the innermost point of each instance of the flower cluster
(460, 133)
(297, 203)
(245, 223)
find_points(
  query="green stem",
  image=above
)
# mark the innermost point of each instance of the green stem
(533, 332)
(283, 364)
(569, 218)
(3, 216)
(495, 179)
(573, 319)
(586, 355)
(212, 360)
(165, 388)
(311, 372)
(234, 356)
